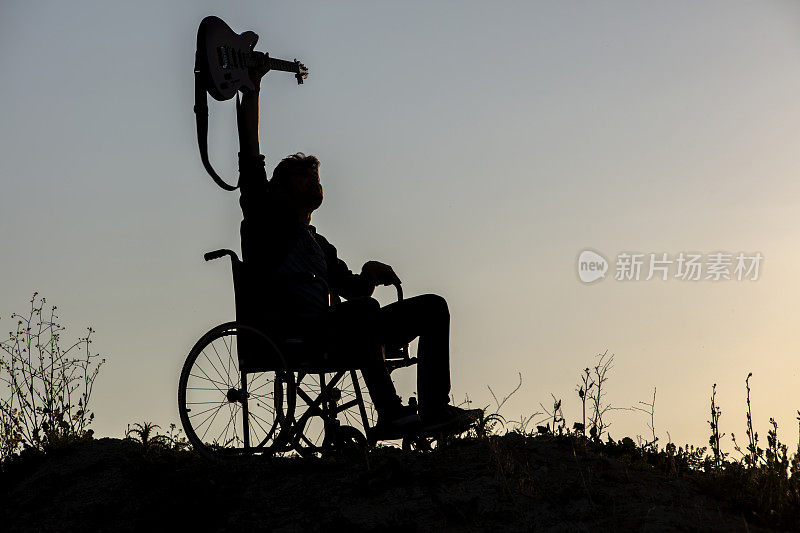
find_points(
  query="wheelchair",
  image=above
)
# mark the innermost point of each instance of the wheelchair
(245, 390)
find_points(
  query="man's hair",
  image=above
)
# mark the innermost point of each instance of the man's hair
(291, 166)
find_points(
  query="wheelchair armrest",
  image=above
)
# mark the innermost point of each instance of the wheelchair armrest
(216, 254)
(395, 352)
(398, 356)
(394, 364)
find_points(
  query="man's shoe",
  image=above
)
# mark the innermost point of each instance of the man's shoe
(448, 419)
(397, 424)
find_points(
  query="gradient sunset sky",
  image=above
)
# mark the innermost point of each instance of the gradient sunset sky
(477, 147)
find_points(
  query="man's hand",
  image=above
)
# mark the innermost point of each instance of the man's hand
(256, 73)
(379, 273)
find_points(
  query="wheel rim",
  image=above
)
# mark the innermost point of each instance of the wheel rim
(212, 399)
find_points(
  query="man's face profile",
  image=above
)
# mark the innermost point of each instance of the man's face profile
(306, 189)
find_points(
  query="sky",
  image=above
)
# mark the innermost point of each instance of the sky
(476, 147)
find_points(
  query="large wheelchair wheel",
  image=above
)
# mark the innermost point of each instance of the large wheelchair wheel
(227, 411)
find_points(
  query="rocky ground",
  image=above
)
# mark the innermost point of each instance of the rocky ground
(505, 483)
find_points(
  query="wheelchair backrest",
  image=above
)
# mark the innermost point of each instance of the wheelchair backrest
(271, 338)
(252, 301)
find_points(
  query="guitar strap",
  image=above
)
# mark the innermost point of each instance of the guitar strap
(201, 118)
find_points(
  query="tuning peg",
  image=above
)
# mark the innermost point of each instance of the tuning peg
(302, 72)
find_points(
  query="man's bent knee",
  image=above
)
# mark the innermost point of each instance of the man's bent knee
(435, 305)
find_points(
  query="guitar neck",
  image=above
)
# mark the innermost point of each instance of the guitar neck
(283, 65)
(295, 67)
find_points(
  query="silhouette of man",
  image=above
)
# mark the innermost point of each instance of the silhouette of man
(301, 269)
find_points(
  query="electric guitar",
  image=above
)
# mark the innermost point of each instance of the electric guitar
(222, 62)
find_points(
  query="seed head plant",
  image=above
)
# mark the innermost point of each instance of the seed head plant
(716, 436)
(47, 388)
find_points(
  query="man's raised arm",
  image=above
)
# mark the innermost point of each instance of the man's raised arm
(252, 176)
(247, 116)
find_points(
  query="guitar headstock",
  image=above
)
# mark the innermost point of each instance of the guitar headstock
(302, 72)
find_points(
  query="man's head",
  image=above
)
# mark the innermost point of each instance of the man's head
(296, 180)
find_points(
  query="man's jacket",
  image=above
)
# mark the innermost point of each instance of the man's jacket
(295, 271)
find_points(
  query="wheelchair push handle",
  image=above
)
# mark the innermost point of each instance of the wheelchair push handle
(399, 291)
(216, 254)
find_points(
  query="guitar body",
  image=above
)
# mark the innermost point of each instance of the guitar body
(222, 58)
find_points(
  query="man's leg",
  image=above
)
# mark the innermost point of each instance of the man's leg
(350, 331)
(428, 317)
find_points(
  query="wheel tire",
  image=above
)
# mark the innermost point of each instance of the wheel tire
(211, 402)
(417, 444)
(344, 441)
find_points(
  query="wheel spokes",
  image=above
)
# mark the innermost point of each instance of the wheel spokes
(213, 399)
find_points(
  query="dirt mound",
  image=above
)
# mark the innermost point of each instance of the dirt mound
(501, 483)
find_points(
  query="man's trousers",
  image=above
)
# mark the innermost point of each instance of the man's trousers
(355, 330)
